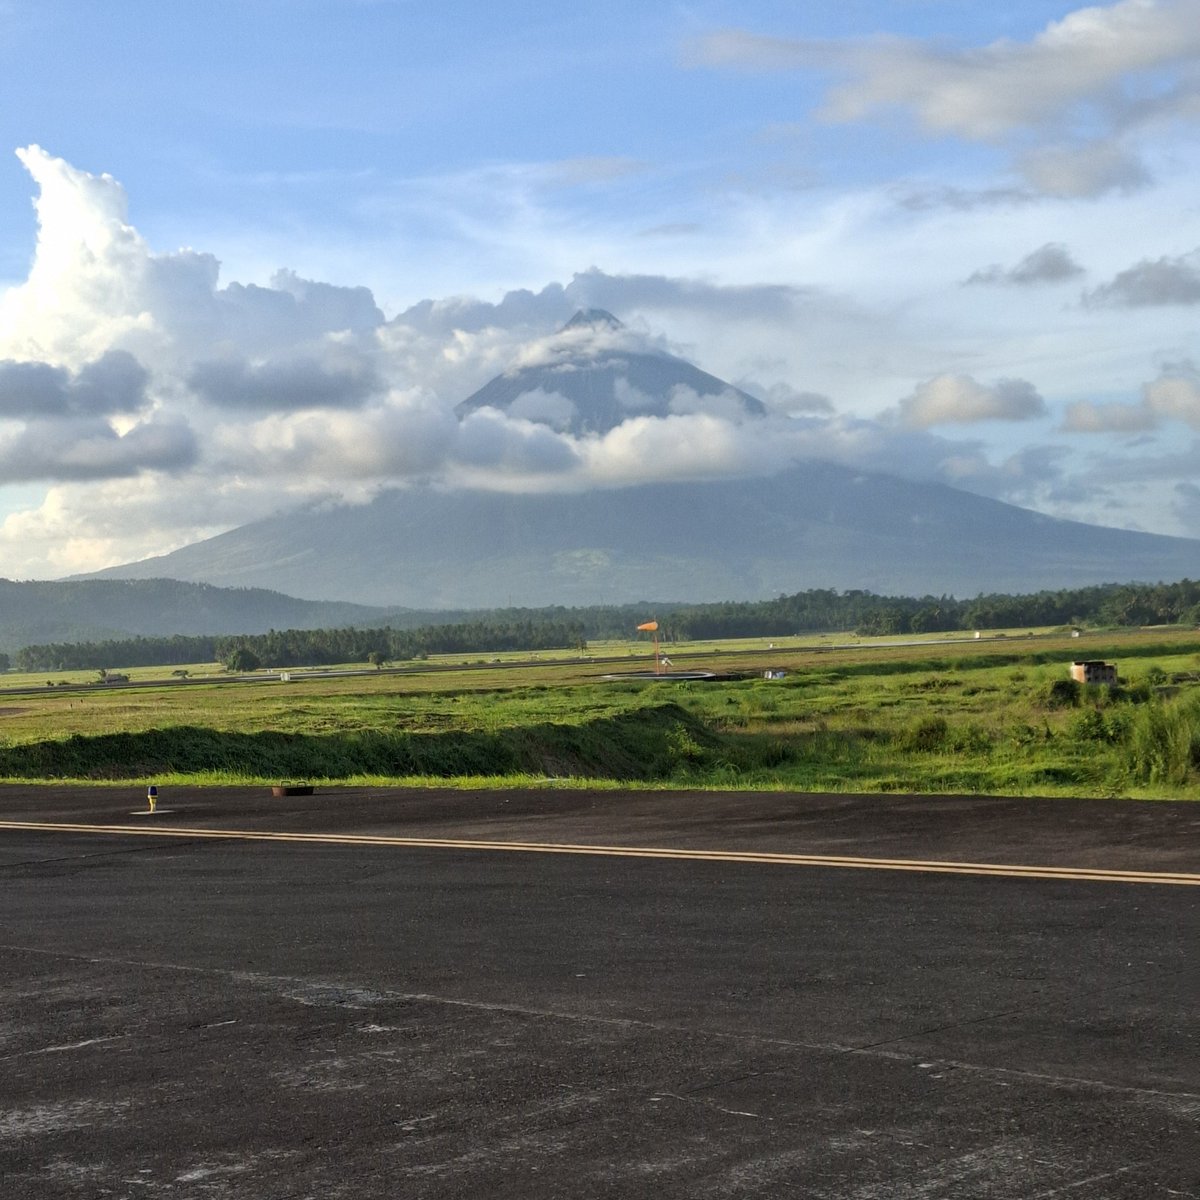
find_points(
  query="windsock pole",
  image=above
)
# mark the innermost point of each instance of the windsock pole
(652, 627)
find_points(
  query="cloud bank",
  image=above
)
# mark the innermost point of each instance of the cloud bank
(156, 403)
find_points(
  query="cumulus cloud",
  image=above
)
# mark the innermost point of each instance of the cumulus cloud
(408, 436)
(497, 446)
(960, 399)
(324, 307)
(114, 383)
(1147, 284)
(1051, 263)
(104, 327)
(520, 308)
(95, 285)
(62, 425)
(91, 449)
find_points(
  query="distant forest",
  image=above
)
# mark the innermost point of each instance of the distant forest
(814, 611)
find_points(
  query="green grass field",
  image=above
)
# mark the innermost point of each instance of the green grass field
(870, 717)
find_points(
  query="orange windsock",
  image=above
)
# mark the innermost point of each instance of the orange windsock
(650, 626)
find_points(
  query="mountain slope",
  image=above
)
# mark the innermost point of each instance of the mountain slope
(814, 525)
(37, 612)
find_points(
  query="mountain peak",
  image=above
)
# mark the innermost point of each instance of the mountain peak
(584, 385)
(592, 318)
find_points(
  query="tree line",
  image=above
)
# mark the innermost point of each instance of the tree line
(1104, 605)
(304, 647)
(813, 611)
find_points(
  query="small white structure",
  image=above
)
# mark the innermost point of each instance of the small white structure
(1094, 671)
(774, 673)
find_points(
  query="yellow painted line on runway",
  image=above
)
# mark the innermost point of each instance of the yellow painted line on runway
(1007, 870)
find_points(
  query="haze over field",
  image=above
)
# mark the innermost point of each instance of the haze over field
(959, 247)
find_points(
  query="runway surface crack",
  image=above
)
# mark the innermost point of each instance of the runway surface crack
(69, 858)
(918, 1033)
(879, 1049)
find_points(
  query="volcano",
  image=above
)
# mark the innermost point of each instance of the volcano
(586, 381)
(812, 524)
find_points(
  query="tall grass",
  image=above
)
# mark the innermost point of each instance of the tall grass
(1163, 741)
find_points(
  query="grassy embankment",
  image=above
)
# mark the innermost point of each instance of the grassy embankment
(971, 718)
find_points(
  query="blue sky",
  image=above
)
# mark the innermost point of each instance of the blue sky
(956, 240)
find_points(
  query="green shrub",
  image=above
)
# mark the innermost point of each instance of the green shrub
(1063, 693)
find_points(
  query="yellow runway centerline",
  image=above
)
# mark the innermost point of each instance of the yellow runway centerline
(1006, 870)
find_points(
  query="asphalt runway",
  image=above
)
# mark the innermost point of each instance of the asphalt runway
(622, 994)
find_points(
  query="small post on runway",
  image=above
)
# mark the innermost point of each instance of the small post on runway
(152, 796)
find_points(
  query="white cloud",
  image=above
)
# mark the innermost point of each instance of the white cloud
(686, 446)
(95, 285)
(960, 399)
(984, 92)
(1071, 85)
(491, 448)
(408, 435)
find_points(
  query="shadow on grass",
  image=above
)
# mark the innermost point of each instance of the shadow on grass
(646, 744)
